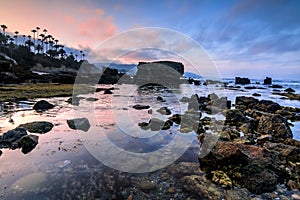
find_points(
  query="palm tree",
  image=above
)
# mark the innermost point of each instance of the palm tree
(23, 42)
(39, 48)
(45, 31)
(37, 31)
(33, 31)
(16, 36)
(81, 55)
(42, 39)
(3, 28)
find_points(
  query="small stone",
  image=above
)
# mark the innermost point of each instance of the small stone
(291, 185)
(295, 197)
(130, 197)
(159, 98)
(107, 92)
(140, 107)
(92, 99)
(171, 190)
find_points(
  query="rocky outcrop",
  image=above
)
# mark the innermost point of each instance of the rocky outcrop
(42, 105)
(11, 136)
(244, 103)
(268, 81)
(274, 125)
(18, 138)
(289, 90)
(79, 124)
(164, 73)
(242, 81)
(38, 127)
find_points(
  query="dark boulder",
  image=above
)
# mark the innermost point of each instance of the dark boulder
(258, 179)
(276, 86)
(79, 124)
(256, 94)
(242, 81)
(13, 135)
(267, 106)
(235, 118)
(42, 105)
(107, 92)
(140, 107)
(243, 103)
(38, 127)
(268, 81)
(275, 125)
(289, 90)
(28, 143)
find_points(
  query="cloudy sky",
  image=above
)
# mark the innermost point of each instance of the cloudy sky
(247, 38)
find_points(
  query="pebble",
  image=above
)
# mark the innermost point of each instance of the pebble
(295, 196)
(171, 190)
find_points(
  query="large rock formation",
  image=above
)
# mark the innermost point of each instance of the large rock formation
(242, 81)
(165, 73)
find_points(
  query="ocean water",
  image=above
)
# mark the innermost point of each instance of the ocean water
(66, 159)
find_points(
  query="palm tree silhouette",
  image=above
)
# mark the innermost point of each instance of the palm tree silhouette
(16, 36)
(33, 31)
(3, 28)
(37, 31)
(23, 42)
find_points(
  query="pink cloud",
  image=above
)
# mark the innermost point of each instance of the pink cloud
(97, 27)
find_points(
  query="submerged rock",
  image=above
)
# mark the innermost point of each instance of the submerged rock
(79, 124)
(42, 105)
(289, 90)
(30, 182)
(73, 101)
(92, 99)
(38, 127)
(164, 111)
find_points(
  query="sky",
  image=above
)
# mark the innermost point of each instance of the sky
(252, 38)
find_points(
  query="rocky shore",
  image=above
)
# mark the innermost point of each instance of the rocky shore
(254, 155)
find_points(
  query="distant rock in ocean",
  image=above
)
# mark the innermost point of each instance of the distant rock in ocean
(242, 81)
(268, 81)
